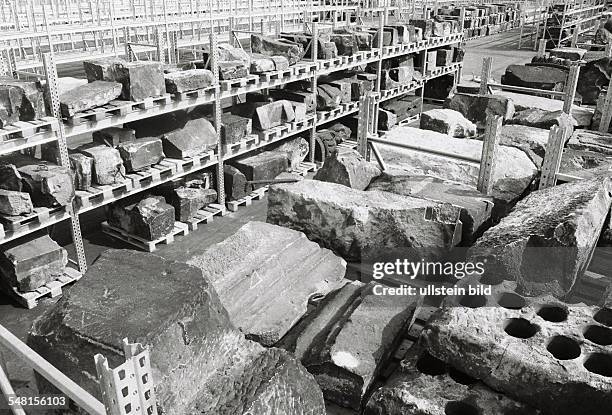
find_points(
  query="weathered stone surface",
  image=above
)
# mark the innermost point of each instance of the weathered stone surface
(195, 137)
(341, 132)
(426, 25)
(353, 353)
(188, 200)
(88, 96)
(585, 164)
(478, 108)
(265, 275)
(326, 143)
(273, 114)
(48, 185)
(277, 47)
(141, 154)
(546, 241)
(299, 96)
(107, 163)
(535, 117)
(328, 97)
(346, 44)
(15, 203)
(386, 119)
(448, 121)
(441, 89)
(591, 141)
(33, 263)
(228, 52)
(150, 218)
(539, 77)
(263, 166)
(363, 39)
(349, 169)
(189, 80)
(101, 69)
(404, 107)
(477, 209)
(235, 182)
(531, 140)
(360, 87)
(326, 48)
(140, 79)
(530, 349)
(262, 63)
(10, 178)
(299, 110)
(593, 78)
(232, 70)
(396, 77)
(296, 150)
(428, 386)
(573, 54)
(200, 362)
(345, 87)
(360, 225)
(513, 173)
(112, 136)
(20, 100)
(82, 168)
(234, 128)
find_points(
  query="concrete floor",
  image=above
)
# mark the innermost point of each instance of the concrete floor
(501, 47)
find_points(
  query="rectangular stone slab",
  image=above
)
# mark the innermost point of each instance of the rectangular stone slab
(88, 96)
(141, 153)
(15, 203)
(187, 201)
(112, 136)
(82, 169)
(194, 137)
(107, 163)
(263, 166)
(189, 80)
(235, 182)
(49, 185)
(265, 275)
(360, 225)
(271, 47)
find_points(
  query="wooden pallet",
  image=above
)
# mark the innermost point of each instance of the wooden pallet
(276, 75)
(304, 168)
(142, 243)
(25, 129)
(256, 194)
(205, 215)
(40, 216)
(196, 94)
(117, 108)
(239, 82)
(248, 142)
(51, 289)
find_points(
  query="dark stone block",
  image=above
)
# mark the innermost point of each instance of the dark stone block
(197, 136)
(151, 218)
(235, 183)
(263, 166)
(187, 201)
(15, 203)
(112, 136)
(82, 168)
(141, 154)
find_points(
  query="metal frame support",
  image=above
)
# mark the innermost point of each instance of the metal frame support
(606, 113)
(160, 42)
(485, 75)
(570, 88)
(52, 83)
(214, 67)
(129, 385)
(552, 159)
(314, 51)
(490, 145)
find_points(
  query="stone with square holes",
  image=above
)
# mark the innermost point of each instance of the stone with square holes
(528, 353)
(150, 218)
(426, 385)
(194, 137)
(200, 363)
(32, 263)
(107, 163)
(361, 225)
(546, 242)
(266, 286)
(349, 169)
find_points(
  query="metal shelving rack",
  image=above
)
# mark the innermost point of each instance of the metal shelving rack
(60, 130)
(574, 16)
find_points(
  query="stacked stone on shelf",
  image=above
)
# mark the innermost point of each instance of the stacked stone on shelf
(235, 182)
(196, 136)
(234, 128)
(82, 167)
(349, 169)
(90, 95)
(188, 200)
(261, 63)
(150, 218)
(263, 166)
(20, 100)
(188, 80)
(140, 154)
(266, 115)
(277, 47)
(113, 136)
(13, 203)
(107, 163)
(32, 263)
(326, 48)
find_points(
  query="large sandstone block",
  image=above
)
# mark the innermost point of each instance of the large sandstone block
(200, 362)
(195, 137)
(88, 96)
(447, 121)
(189, 80)
(591, 141)
(531, 140)
(33, 263)
(426, 385)
(349, 169)
(352, 354)
(232, 70)
(265, 275)
(362, 225)
(48, 185)
(539, 118)
(20, 100)
(107, 163)
(14, 203)
(478, 108)
(277, 47)
(262, 166)
(296, 150)
(150, 218)
(187, 201)
(141, 154)
(585, 164)
(540, 351)
(272, 114)
(546, 242)
(477, 209)
(140, 79)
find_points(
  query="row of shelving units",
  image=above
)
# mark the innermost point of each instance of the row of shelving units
(566, 21)
(418, 65)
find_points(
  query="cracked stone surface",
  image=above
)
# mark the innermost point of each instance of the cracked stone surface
(546, 241)
(91, 95)
(531, 140)
(15, 203)
(540, 351)
(265, 275)
(448, 121)
(141, 153)
(48, 185)
(478, 108)
(591, 141)
(263, 166)
(200, 362)
(424, 385)
(149, 218)
(349, 169)
(585, 164)
(107, 163)
(358, 225)
(20, 100)
(269, 46)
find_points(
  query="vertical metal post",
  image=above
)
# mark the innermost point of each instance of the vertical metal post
(314, 51)
(542, 48)
(214, 67)
(485, 75)
(160, 42)
(606, 113)
(552, 159)
(362, 124)
(52, 84)
(490, 145)
(570, 87)
(374, 115)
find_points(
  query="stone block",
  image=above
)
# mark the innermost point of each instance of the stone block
(478, 108)
(404, 107)
(141, 153)
(328, 97)
(426, 25)
(150, 218)
(341, 132)
(432, 59)
(539, 118)
(235, 183)
(591, 141)
(546, 242)
(272, 261)
(195, 137)
(232, 70)
(113, 136)
(82, 168)
(540, 77)
(326, 48)
(272, 114)
(107, 163)
(346, 44)
(48, 185)
(477, 210)
(531, 140)
(88, 96)
(386, 119)
(20, 100)
(449, 122)
(140, 79)
(10, 178)
(345, 89)
(277, 47)
(262, 166)
(197, 356)
(349, 169)
(360, 87)
(573, 54)
(299, 96)
(189, 80)
(15, 203)
(527, 348)
(234, 128)
(299, 110)
(296, 150)
(362, 225)
(444, 57)
(34, 262)
(187, 201)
